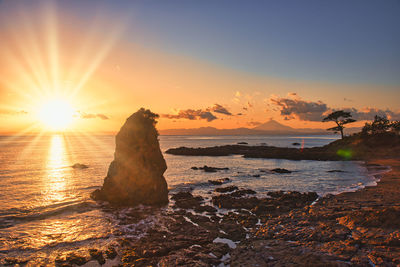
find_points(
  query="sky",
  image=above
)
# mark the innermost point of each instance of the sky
(224, 64)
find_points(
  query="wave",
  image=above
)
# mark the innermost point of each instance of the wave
(15, 216)
(90, 187)
(187, 186)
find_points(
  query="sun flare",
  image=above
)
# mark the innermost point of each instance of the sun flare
(56, 114)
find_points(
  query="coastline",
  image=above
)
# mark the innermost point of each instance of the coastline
(374, 171)
(350, 228)
(358, 228)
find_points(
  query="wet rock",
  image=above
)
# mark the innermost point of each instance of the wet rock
(205, 208)
(242, 192)
(14, 261)
(181, 196)
(111, 253)
(256, 175)
(280, 170)
(226, 189)
(219, 181)
(74, 258)
(279, 253)
(188, 257)
(97, 255)
(229, 202)
(242, 143)
(218, 249)
(185, 200)
(136, 174)
(206, 168)
(276, 194)
(383, 217)
(79, 166)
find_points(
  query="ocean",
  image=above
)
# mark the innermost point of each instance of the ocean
(46, 209)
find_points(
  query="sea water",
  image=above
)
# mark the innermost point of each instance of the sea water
(45, 207)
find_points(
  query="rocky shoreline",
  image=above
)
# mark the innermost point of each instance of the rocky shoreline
(234, 227)
(355, 147)
(315, 153)
(287, 228)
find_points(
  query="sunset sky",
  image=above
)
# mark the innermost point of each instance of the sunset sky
(224, 64)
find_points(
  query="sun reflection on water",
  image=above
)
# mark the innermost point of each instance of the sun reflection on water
(54, 189)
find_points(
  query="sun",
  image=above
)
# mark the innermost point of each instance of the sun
(56, 114)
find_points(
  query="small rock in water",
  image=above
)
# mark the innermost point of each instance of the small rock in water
(209, 169)
(219, 181)
(280, 170)
(335, 171)
(135, 176)
(242, 143)
(79, 166)
(295, 144)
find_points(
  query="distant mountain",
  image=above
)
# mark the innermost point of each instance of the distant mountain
(269, 128)
(273, 125)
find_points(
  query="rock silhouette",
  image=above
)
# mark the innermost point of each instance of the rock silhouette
(135, 176)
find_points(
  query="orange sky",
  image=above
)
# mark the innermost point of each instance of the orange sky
(99, 71)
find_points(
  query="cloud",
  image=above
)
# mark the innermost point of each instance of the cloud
(220, 109)
(84, 115)
(13, 112)
(294, 107)
(102, 116)
(254, 123)
(192, 114)
(369, 113)
(200, 114)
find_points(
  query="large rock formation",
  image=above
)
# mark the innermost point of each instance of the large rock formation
(135, 176)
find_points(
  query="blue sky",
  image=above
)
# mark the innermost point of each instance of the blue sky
(334, 41)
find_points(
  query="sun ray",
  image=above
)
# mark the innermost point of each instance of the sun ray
(42, 67)
(97, 59)
(52, 41)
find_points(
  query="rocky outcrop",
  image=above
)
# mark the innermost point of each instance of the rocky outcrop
(79, 166)
(355, 147)
(280, 170)
(135, 176)
(219, 181)
(209, 169)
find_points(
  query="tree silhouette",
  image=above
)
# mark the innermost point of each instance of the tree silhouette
(341, 118)
(379, 125)
(395, 126)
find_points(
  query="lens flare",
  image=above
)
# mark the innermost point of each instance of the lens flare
(345, 153)
(56, 114)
